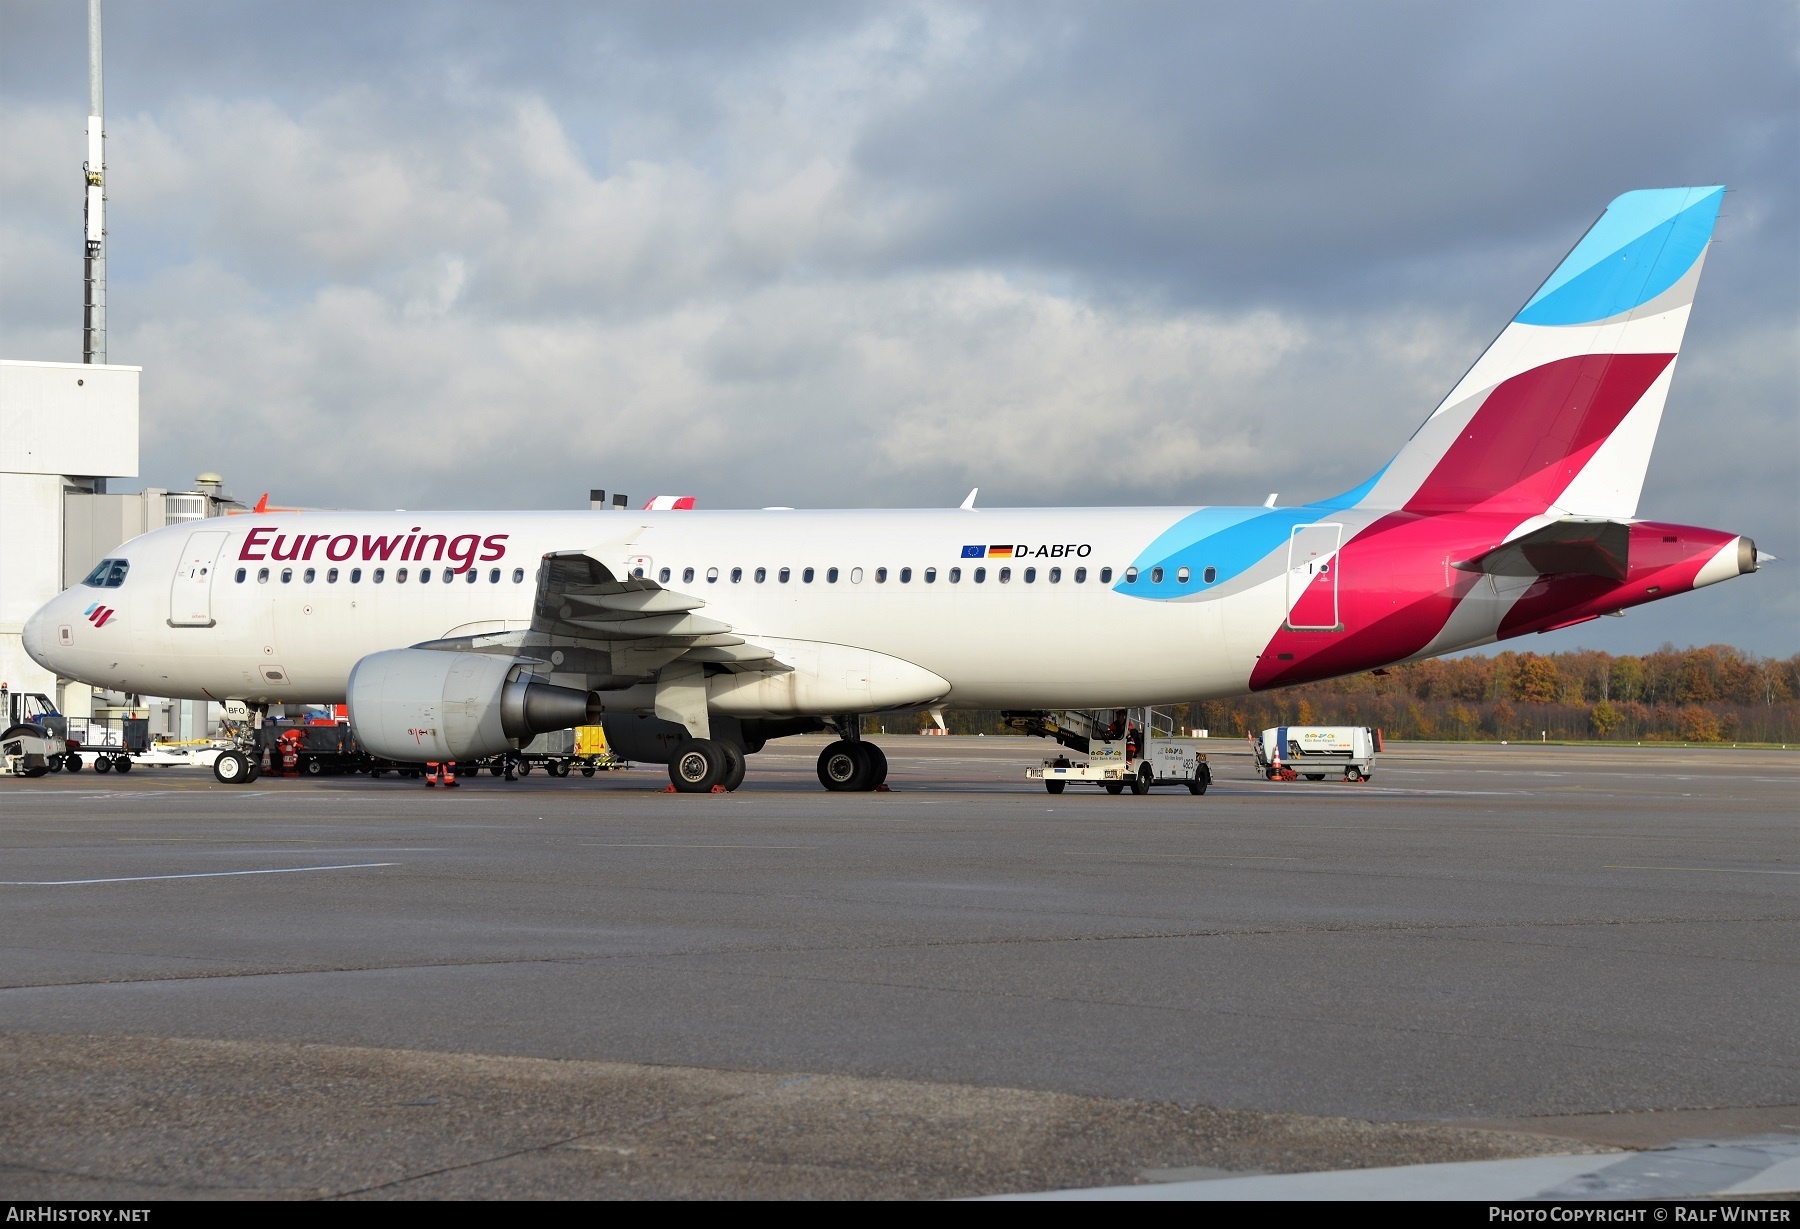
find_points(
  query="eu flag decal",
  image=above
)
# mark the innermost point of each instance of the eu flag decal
(974, 552)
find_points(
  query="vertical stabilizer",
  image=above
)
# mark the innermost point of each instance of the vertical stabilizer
(1560, 413)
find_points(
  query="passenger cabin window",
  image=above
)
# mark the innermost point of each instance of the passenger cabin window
(307, 576)
(1030, 575)
(424, 576)
(241, 573)
(493, 576)
(881, 576)
(472, 575)
(518, 576)
(1055, 575)
(1181, 576)
(356, 576)
(980, 575)
(399, 576)
(687, 575)
(1005, 576)
(1131, 576)
(378, 575)
(831, 576)
(287, 575)
(737, 575)
(663, 576)
(712, 576)
(762, 574)
(783, 575)
(807, 575)
(1106, 576)
(1081, 576)
(906, 576)
(954, 577)
(331, 576)
(1210, 575)
(856, 576)
(1156, 576)
(262, 576)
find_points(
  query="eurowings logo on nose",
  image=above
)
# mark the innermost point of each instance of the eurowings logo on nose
(98, 614)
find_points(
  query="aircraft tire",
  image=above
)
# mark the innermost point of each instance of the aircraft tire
(841, 769)
(877, 761)
(230, 768)
(736, 763)
(698, 765)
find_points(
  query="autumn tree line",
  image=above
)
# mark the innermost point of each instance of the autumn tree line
(1711, 694)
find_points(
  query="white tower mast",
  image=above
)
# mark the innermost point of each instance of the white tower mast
(93, 331)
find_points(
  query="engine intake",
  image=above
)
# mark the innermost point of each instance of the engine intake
(418, 705)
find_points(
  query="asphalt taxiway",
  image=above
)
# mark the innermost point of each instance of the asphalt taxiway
(965, 986)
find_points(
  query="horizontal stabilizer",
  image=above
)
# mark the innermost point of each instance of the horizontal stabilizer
(1590, 548)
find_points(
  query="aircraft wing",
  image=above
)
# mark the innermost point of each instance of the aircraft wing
(1587, 547)
(614, 631)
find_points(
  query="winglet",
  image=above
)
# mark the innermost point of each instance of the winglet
(262, 505)
(968, 505)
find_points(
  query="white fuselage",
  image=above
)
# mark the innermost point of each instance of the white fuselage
(295, 635)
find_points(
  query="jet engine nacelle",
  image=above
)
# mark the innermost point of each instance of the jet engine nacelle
(424, 705)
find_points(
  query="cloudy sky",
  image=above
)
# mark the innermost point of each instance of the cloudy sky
(491, 255)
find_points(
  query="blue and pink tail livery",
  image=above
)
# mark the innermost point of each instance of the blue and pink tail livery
(1558, 417)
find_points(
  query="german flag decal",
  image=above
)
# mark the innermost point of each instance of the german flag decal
(1000, 552)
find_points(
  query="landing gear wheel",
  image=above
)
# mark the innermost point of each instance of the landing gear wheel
(256, 768)
(121, 763)
(842, 769)
(72, 762)
(1115, 788)
(1353, 775)
(103, 764)
(231, 768)
(699, 764)
(1140, 784)
(877, 761)
(1055, 787)
(735, 765)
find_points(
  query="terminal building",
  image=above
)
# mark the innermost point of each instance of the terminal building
(67, 430)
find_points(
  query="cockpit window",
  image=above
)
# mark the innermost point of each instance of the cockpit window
(108, 574)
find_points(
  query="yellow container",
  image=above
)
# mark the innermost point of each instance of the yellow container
(590, 740)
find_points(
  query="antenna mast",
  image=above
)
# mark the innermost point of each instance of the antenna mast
(93, 328)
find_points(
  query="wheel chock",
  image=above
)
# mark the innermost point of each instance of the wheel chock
(883, 788)
(670, 788)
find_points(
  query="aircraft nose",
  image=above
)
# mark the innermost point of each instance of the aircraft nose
(39, 635)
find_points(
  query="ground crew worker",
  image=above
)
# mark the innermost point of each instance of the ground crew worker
(440, 772)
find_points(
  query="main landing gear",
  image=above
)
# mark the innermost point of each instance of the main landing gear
(851, 767)
(704, 764)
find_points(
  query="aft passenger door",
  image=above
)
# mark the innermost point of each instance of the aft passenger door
(1312, 585)
(190, 594)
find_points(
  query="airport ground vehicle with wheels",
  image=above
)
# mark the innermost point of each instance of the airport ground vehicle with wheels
(1131, 749)
(1290, 752)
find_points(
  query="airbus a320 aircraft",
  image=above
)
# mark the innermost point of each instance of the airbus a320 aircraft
(695, 636)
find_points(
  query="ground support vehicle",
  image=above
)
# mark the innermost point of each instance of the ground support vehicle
(1289, 752)
(558, 753)
(108, 743)
(1131, 749)
(312, 749)
(33, 735)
